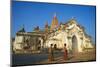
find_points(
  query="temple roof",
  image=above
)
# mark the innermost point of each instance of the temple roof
(22, 29)
(72, 21)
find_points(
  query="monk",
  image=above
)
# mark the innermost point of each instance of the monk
(51, 57)
(65, 55)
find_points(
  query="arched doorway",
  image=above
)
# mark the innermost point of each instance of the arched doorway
(55, 46)
(39, 45)
(74, 45)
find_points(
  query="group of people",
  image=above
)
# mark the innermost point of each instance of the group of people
(51, 55)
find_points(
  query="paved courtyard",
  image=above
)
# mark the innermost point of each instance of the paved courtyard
(78, 57)
(24, 59)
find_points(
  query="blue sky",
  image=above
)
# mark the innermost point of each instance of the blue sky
(33, 14)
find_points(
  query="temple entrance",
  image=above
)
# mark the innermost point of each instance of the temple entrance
(55, 46)
(74, 45)
(39, 44)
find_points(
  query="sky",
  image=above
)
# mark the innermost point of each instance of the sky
(32, 14)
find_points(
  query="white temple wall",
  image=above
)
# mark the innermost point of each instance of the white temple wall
(18, 42)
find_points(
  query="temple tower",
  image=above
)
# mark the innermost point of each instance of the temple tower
(54, 23)
(46, 27)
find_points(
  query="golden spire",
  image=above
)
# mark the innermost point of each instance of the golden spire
(54, 23)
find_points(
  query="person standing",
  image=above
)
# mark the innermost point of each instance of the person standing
(51, 57)
(65, 55)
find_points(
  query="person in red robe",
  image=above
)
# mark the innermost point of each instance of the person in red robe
(65, 55)
(51, 57)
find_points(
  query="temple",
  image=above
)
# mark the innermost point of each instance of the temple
(70, 33)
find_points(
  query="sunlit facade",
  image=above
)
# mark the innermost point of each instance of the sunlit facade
(70, 33)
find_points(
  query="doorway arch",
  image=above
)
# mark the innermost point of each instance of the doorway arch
(74, 44)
